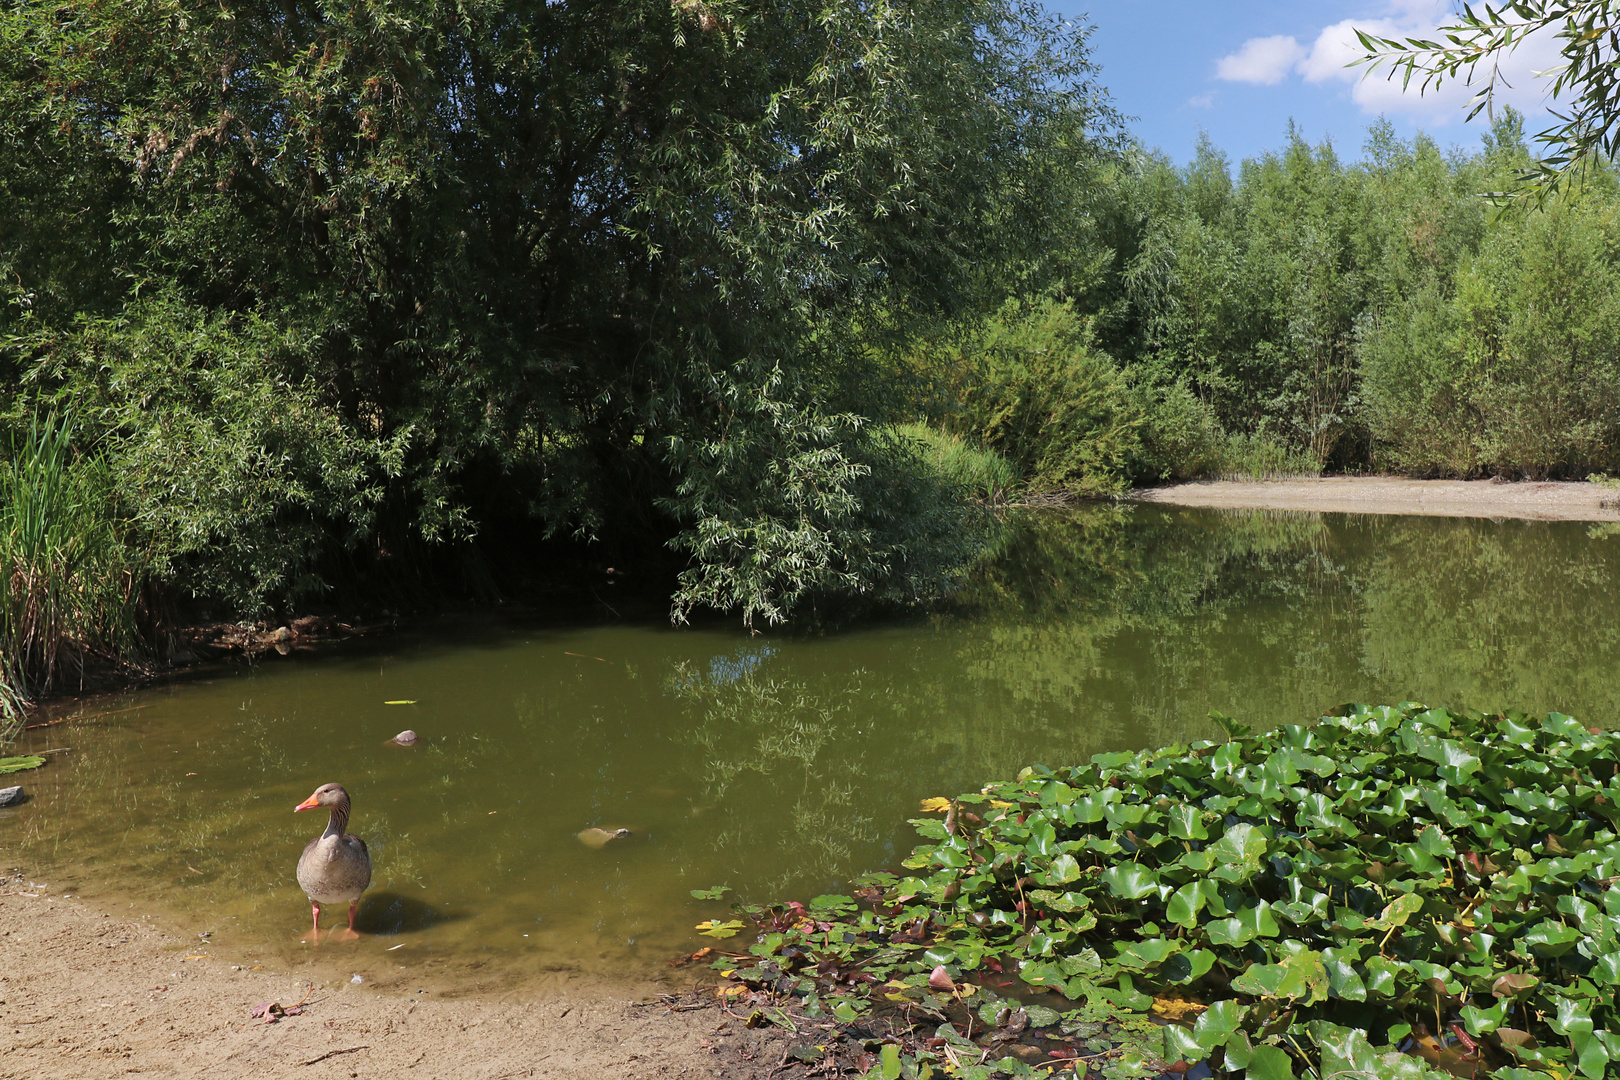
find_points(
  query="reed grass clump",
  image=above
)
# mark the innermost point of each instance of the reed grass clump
(67, 582)
(1255, 457)
(987, 475)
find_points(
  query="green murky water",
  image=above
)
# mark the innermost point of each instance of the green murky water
(779, 765)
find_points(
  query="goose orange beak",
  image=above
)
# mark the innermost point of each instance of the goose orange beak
(307, 804)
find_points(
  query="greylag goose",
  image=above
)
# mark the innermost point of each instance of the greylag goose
(335, 867)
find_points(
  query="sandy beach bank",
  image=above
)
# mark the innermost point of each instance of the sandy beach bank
(1534, 501)
(92, 994)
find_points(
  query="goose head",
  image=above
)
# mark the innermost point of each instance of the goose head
(325, 795)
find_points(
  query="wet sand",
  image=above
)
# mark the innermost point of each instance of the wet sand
(91, 994)
(1532, 501)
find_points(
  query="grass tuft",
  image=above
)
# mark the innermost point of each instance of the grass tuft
(1255, 457)
(987, 475)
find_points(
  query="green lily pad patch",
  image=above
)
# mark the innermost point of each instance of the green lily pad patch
(19, 764)
(1390, 891)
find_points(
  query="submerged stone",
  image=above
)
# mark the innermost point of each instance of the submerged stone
(11, 796)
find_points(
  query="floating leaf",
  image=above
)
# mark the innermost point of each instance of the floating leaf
(1186, 823)
(1513, 984)
(711, 928)
(1270, 1063)
(20, 764)
(1238, 853)
(936, 805)
(1131, 881)
(711, 894)
(1396, 858)
(411, 701)
(1218, 1024)
(1397, 911)
(831, 904)
(1551, 938)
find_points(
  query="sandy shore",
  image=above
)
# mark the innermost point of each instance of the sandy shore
(88, 994)
(1391, 495)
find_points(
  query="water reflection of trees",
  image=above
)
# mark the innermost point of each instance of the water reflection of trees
(1156, 615)
(1123, 626)
(792, 750)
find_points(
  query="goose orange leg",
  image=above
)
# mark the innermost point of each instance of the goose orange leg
(315, 924)
(350, 934)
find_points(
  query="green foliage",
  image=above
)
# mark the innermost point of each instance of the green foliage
(548, 268)
(1029, 384)
(805, 506)
(20, 764)
(1312, 314)
(1180, 437)
(67, 583)
(1257, 457)
(1325, 890)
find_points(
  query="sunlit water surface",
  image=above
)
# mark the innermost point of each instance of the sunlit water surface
(780, 765)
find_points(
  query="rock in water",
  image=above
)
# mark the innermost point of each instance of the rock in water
(598, 838)
(11, 796)
(404, 738)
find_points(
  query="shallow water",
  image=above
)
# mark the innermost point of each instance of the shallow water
(780, 765)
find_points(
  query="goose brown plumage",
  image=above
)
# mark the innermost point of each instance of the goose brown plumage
(335, 867)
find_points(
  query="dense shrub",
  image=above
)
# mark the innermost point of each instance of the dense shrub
(1514, 367)
(827, 512)
(990, 477)
(1180, 437)
(1341, 316)
(241, 479)
(551, 268)
(1030, 384)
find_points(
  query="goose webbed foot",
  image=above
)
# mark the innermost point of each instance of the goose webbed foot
(350, 934)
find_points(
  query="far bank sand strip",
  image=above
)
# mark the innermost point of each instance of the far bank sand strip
(1533, 501)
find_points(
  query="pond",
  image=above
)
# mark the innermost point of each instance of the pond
(780, 765)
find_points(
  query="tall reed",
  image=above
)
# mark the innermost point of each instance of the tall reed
(67, 584)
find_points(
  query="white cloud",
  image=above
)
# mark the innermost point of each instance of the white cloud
(1202, 101)
(1326, 62)
(1265, 61)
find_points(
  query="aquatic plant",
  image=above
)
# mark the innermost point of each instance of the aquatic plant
(66, 582)
(1386, 890)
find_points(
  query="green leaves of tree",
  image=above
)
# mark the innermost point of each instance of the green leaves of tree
(1585, 80)
(625, 270)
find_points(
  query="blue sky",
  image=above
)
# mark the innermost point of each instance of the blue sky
(1241, 70)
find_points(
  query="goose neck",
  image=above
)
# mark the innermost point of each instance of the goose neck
(339, 821)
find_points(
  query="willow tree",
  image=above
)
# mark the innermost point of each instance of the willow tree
(1471, 48)
(624, 270)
